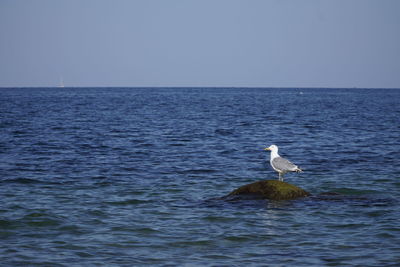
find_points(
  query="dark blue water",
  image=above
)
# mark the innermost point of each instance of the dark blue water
(131, 177)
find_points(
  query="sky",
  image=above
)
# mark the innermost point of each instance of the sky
(196, 43)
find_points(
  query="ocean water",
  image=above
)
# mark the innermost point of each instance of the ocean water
(134, 176)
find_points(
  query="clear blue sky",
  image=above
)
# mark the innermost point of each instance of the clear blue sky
(255, 43)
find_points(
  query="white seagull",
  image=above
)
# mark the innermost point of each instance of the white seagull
(279, 164)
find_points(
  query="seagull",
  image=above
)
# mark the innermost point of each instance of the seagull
(279, 164)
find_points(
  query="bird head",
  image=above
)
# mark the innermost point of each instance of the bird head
(271, 148)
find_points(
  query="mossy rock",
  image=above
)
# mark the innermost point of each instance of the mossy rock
(269, 189)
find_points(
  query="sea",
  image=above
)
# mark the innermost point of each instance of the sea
(137, 176)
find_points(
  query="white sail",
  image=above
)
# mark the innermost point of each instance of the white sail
(61, 83)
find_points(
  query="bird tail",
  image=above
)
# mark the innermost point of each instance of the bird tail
(298, 170)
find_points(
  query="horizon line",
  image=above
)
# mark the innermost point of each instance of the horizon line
(197, 87)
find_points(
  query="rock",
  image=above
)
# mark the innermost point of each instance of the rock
(269, 189)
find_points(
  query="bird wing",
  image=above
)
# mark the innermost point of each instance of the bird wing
(283, 164)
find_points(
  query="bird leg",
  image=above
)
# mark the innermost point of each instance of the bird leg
(280, 177)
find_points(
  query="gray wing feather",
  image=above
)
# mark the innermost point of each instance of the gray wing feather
(283, 164)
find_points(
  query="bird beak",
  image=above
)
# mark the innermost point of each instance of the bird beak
(267, 148)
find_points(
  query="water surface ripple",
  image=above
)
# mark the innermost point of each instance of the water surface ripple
(132, 176)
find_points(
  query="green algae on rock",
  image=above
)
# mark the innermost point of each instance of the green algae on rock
(270, 189)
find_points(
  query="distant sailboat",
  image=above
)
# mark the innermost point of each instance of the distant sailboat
(61, 83)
